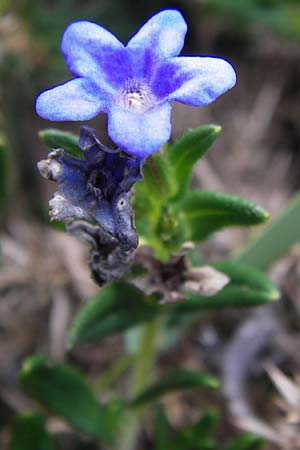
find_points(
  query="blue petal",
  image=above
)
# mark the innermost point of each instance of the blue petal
(163, 33)
(140, 134)
(78, 99)
(88, 48)
(193, 80)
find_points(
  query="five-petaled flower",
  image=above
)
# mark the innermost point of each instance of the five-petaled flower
(133, 84)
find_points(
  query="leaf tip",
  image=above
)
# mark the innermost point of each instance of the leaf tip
(265, 215)
(214, 383)
(275, 294)
(217, 129)
(42, 134)
(27, 366)
(31, 364)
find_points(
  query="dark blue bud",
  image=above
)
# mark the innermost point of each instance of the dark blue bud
(95, 188)
(123, 215)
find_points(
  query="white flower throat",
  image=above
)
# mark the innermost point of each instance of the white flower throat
(136, 96)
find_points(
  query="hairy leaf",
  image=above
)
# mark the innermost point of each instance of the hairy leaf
(114, 309)
(205, 212)
(247, 287)
(186, 151)
(248, 277)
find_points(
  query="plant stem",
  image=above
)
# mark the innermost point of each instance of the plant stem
(141, 377)
(111, 375)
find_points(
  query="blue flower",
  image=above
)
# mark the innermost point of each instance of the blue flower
(133, 84)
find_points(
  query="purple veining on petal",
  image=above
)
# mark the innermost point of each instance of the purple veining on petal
(117, 68)
(85, 45)
(172, 80)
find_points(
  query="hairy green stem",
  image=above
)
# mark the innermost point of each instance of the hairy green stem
(141, 377)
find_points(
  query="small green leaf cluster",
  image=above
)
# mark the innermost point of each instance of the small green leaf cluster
(201, 435)
(63, 392)
(168, 213)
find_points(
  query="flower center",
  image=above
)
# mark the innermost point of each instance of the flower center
(136, 96)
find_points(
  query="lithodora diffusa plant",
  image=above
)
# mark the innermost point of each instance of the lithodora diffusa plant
(115, 197)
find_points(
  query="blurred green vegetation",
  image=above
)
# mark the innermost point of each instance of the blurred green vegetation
(281, 16)
(47, 20)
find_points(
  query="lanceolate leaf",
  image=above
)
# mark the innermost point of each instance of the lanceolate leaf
(187, 150)
(247, 287)
(114, 309)
(205, 212)
(120, 306)
(62, 390)
(29, 433)
(173, 381)
(54, 138)
(230, 296)
(247, 276)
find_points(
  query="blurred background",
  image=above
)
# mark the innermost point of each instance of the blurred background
(43, 272)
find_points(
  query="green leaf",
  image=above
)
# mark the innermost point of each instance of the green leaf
(114, 309)
(186, 151)
(230, 296)
(200, 435)
(29, 433)
(157, 185)
(173, 381)
(4, 170)
(246, 442)
(157, 179)
(205, 212)
(161, 429)
(275, 240)
(243, 275)
(112, 374)
(54, 138)
(62, 390)
(247, 287)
